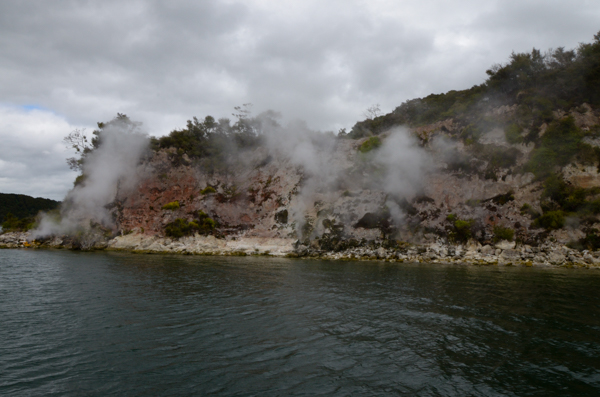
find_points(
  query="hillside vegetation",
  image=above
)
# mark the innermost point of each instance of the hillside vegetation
(18, 210)
(537, 82)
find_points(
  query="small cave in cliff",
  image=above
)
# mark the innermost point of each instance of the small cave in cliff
(282, 217)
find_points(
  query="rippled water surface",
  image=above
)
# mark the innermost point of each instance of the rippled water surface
(119, 324)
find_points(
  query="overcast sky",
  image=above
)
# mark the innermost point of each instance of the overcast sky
(69, 64)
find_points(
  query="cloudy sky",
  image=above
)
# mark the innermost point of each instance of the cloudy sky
(69, 64)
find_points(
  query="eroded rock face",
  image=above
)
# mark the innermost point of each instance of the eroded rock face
(264, 202)
(262, 194)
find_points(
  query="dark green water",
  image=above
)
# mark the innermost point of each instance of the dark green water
(134, 325)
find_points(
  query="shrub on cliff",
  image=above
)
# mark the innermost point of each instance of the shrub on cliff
(539, 82)
(370, 144)
(591, 241)
(503, 233)
(461, 230)
(202, 224)
(559, 195)
(513, 133)
(208, 190)
(172, 206)
(178, 228)
(550, 220)
(560, 143)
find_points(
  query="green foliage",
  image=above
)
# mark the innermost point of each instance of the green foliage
(462, 230)
(172, 206)
(550, 220)
(209, 141)
(558, 76)
(560, 199)
(208, 190)
(513, 133)
(79, 180)
(570, 198)
(370, 144)
(201, 224)
(588, 154)
(84, 145)
(23, 206)
(503, 233)
(497, 158)
(538, 82)
(12, 223)
(591, 241)
(527, 209)
(542, 162)
(470, 134)
(559, 145)
(178, 228)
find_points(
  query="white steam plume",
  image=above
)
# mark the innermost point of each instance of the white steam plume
(403, 161)
(406, 165)
(107, 169)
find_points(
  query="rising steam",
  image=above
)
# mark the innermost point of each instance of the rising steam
(403, 164)
(111, 167)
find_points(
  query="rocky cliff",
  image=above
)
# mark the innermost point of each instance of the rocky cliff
(265, 202)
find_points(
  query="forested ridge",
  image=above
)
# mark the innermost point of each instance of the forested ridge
(21, 206)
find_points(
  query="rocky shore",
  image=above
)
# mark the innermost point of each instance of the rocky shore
(503, 253)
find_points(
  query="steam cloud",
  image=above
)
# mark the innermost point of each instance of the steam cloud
(325, 160)
(112, 167)
(403, 161)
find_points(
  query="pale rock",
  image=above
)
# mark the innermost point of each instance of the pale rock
(487, 250)
(556, 258)
(504, 245)
(511, 254)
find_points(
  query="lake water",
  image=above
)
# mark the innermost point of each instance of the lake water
(101, 324)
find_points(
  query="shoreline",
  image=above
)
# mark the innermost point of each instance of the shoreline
(503, 253)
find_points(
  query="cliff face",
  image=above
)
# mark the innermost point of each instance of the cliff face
(263, 194)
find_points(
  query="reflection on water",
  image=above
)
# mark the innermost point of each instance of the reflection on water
(121, 324)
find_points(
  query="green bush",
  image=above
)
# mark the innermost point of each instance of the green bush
(79, 180)
(178, 228)
(208, 190)
(202, 224)
(559, 145)
(372, 143)
(503, 233)
(513, 133)
(461, 229)
(591, 241)
(558, 194)
(172, 206)
(12, 223)
(551, 220)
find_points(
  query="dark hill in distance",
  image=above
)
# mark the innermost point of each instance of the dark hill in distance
(23, 206)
